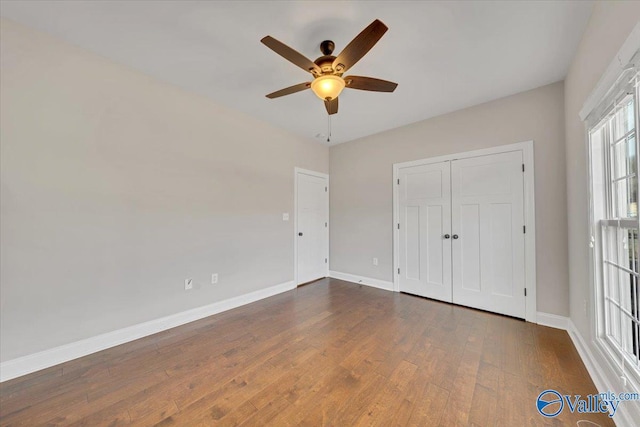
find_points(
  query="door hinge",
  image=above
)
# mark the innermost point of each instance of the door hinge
(325, 260)
(398, 181)
(523, 167)
(325, 224)
(525, 292)
(524, 229)
(398, 271)
(398, 226)
(325, 189)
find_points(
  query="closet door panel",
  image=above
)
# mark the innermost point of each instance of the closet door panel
(487, 208)
(424, 220)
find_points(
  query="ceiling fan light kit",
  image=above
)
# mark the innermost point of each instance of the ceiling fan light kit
(327, 70)
(328, 86)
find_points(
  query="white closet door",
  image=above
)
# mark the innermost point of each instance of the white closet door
(312, 219)
(488, 241)
(425, 220)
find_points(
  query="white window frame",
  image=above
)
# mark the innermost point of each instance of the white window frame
(596, 110)
(624, 363)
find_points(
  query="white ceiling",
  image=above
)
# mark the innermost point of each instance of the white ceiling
(444, 55)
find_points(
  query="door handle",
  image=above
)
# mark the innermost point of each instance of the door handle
(299, 234)
(455, 236)
(446, 236)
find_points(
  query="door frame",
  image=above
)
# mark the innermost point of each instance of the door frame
(526, 148)
(296, 172)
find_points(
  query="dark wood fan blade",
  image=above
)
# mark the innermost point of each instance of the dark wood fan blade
(289, 90)
(359, 46)
(291, 55)
(369, 83)
(331, 106)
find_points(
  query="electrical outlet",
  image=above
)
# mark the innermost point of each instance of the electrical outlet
(214, 278)
(375, 261)
(285, 216)
(188, 284)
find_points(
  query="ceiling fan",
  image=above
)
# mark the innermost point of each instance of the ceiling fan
(327, 70)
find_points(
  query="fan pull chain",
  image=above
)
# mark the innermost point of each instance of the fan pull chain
(328, 128)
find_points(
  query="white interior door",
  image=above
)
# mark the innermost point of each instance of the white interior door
(424, 223)
(312, 222)
(487, 210)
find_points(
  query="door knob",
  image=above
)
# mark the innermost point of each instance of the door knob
(455, 236)
(446, 236)
(299, 234)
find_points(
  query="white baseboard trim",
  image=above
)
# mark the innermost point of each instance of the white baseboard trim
(604, 378)
(47, 358)
(375, 283)
(596, 373)
(552, 320)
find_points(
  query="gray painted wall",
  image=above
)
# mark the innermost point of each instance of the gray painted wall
(361, 183)
(116, 187)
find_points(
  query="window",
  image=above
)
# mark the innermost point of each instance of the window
(614, 220)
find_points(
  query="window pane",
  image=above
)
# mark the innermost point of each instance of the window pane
(625, 197)
(624, 120)
(632, 250)
(614, 324)
(632, 165)
(624, 157)
(612, 284)
(632, 198)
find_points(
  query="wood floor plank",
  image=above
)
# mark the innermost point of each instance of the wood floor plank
(430, 407)
(328, 354)
(461, 396)
(325, 389)
(381, 410)
(483, 406)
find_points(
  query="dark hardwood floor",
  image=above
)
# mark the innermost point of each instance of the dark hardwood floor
(327, 354)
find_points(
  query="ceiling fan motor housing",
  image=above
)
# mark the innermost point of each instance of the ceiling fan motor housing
(326, 47)
(325, 63)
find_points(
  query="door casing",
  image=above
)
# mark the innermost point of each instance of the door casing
(529, 213)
